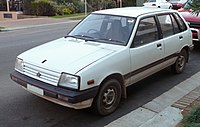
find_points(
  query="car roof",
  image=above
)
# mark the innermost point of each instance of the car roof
(132, 11)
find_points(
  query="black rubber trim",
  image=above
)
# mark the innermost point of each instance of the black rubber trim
(53, 91)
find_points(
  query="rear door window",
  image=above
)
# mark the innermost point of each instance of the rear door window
(169, 25)
(166, 25)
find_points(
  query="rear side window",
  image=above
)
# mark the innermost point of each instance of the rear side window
(180, 22)
(147, 32)
(168, 25)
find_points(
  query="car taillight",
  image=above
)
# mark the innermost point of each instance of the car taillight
(194, 35)
(153, 4)
(179, 5)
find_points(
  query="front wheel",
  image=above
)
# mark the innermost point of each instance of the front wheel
(179, 66)
(108, 98)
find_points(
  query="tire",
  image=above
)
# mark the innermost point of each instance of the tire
(108, 98)
(179, 66)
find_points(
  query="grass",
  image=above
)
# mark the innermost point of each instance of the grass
(77, 18)
(1, 28)
(70, 15)
(193, 118)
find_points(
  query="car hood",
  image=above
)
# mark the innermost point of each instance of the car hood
(66, 54)
(188, 16)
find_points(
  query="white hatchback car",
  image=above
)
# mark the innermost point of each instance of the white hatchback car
(106, 52)
(158, 3)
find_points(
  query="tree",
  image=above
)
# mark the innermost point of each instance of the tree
(2, 5)
(129, 2)
(28, 6)
(194, 5)
(101, 4)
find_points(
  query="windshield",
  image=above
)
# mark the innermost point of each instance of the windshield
(104, 29)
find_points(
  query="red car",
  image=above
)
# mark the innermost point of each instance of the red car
(193, 21)
(177, 4)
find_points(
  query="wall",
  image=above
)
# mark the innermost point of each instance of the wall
(8, 15)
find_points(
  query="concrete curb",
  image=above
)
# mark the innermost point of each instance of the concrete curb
(169, 117)
(34, 26)
(161, 112)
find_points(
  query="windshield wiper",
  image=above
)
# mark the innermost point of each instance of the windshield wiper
(110, 40)
(89, 38)
(84, 37)
(72, 36)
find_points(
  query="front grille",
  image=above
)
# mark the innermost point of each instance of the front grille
(195, 25)
(42, 74)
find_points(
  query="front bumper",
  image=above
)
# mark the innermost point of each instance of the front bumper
(65, 97)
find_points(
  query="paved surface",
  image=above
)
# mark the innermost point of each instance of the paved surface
(163, 111)
(31, 22)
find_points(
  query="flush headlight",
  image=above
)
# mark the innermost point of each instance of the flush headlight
(69, 81)
(19, 64)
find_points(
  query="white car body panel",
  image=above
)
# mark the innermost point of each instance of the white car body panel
(116, 63)
(61, 58)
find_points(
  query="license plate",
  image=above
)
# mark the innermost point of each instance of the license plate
(35, 89)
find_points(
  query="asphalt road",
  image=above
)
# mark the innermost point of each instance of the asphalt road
(20, 108)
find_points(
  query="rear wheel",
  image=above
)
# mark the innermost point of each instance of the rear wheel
(108, 98)
(179, 66)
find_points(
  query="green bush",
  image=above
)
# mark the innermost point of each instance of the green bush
(111, 4)
(28, 7)
(59, 10)
(52, 7)
(80, 7)
(193, 118)
(44, 7)
(193, 125)
(65, 9)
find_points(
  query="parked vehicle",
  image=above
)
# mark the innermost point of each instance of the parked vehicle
(158, 4)
(104, 54)
(177, 4)
(193, 20)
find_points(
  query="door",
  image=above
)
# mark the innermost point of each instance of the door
(171, 34)
(146, 50)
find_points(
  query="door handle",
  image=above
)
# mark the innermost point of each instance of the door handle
(180, 37)
(159, 45)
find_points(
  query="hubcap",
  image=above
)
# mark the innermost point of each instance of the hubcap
(109, 97)
(181, 62)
